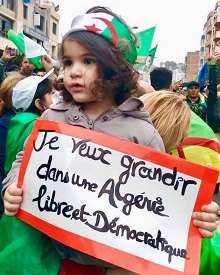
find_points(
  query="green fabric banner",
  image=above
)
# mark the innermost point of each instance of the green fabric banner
(145, 39)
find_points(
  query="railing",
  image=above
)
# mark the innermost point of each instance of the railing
(3, 33)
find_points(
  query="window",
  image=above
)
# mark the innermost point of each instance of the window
(54, 28)
(217, 11)
(10, 4)
(42, 23)
(25, 12)
(5, 25)
(208, 36)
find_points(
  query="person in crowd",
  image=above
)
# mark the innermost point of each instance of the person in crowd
(210, 256)
(213, 98)
(24, 102)
(198, 129)
(204, 89)
(161, 78)
(170, 115)
(13, 68)
(30, 98)
(96, 85)
(6, 113)
(26, 67)
(178, 87)
(143, 88)
(194, 100)
(40, 73)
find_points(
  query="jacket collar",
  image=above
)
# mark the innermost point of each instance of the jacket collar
(131, 104)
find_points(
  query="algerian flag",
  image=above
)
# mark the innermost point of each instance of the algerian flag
(148, 60)
(29, 48)
(150, 57)
(145, 39)
(108, 27)
(201, 146)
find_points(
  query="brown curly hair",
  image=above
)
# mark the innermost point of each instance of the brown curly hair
(115, 73)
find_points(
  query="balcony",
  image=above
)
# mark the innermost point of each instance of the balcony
(217, 21)
(8, 13)
(211, 13)
(209, 29)
(208, 42)
(207, 56)
(216, 35)
(217, 48)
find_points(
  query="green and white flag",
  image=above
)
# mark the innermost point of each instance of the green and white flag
(110, 28)
(29, 48)
(145, 39)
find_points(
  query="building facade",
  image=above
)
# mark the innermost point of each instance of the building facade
(191, 66)
(37, 20)
(209, 43)
(211, 35)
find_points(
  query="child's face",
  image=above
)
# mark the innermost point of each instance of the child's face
(80, 72)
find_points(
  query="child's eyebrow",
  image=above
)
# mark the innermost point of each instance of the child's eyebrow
(65, 56)
(82, 56)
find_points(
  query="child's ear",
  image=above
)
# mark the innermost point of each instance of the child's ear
(39, 105)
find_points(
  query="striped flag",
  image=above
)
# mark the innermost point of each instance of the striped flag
(201, 146)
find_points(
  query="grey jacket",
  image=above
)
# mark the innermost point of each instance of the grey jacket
(126, 121)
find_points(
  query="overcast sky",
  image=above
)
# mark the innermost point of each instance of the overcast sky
(179, 23)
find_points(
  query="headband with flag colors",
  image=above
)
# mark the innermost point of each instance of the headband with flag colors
(108, 27)
(29, 48)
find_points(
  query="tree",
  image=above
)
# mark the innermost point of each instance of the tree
(172, 65)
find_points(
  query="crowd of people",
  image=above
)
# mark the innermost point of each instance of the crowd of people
(97, 88)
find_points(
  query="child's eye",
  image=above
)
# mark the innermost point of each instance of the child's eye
(67, 62)
(89, 61)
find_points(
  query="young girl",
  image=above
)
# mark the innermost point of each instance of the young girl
(97, 88)
(31, 96)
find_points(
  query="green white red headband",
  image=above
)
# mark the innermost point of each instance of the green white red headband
(108, 27)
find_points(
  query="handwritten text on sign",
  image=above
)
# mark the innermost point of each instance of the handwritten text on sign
(113, 198)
